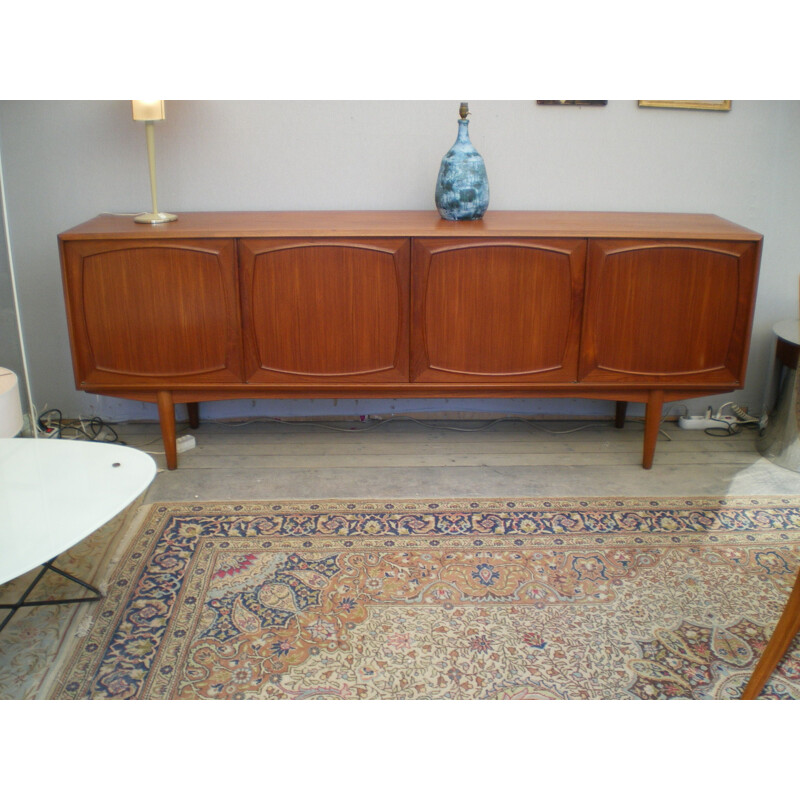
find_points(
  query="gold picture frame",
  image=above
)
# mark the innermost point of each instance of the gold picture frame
(701, 105)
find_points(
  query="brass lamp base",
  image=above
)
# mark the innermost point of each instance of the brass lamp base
(155, 217)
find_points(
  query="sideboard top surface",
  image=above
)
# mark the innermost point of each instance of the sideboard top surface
(590, 224)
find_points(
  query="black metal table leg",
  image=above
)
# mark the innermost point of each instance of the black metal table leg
(48, 565)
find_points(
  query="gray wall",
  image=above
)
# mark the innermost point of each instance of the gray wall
(67, 161)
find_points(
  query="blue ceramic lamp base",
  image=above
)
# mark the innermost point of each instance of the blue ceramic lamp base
(462, 188)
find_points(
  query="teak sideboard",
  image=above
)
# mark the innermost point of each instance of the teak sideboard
(640, 307)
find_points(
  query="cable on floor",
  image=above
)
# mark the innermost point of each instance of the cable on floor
(373, 424)
(377, 423)
(745, 420)
(93, 429)
(51, 423)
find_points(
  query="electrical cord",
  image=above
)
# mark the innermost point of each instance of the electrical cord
(377, 423)
(745, 420)
(51, 423)
(158, 439)
(435, 426)
(93, 429)
(731, 429)
(743, 415)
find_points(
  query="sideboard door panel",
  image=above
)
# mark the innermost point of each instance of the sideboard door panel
(668, 312)
(146, 312)
(325, 310)
(497, 310)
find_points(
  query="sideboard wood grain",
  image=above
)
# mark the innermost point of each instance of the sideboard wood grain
(630, 307)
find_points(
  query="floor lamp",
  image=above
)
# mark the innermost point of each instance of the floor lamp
(149, 112)
(11, 416)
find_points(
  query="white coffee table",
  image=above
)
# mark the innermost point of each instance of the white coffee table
(53, 494)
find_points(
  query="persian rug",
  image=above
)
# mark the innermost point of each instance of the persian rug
(593, 598)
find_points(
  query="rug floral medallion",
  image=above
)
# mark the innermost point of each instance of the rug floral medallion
(460, 599)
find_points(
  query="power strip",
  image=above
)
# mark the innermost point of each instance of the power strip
(701, 423)
(185, 443)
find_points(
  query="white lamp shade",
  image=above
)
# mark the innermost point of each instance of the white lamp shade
(148, 110)
(10, 404)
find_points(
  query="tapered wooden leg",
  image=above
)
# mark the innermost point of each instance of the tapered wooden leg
(787, 628)
(166, 416)
(652, 421)
(194, 415)
(619, 414)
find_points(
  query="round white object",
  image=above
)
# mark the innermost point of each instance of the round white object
(10, 404)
